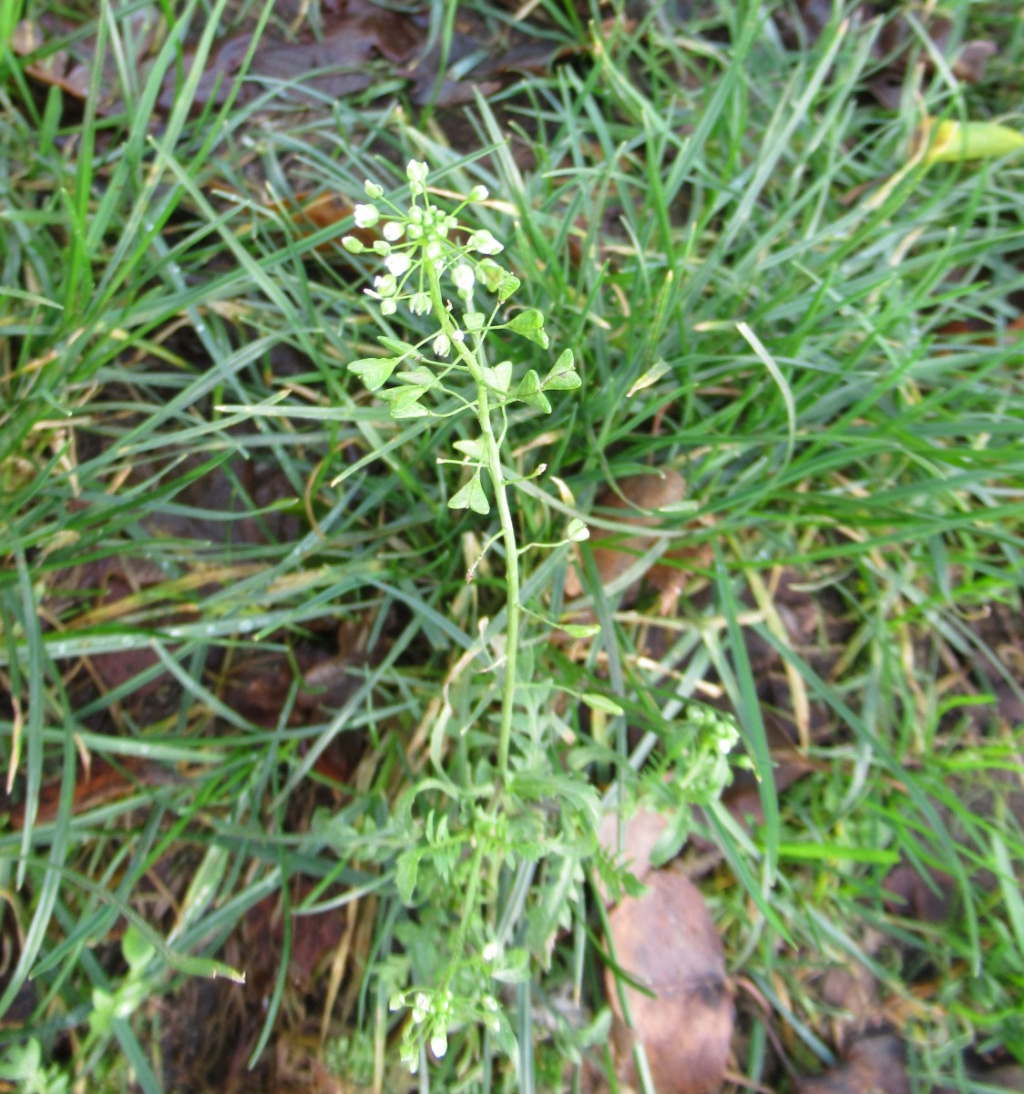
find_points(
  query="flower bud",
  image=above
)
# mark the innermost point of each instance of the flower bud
(352, 245)
(385, 284)
(373, 191)
(393, 231)
(464, 278)
(416, 171)
(485, 243)
(366, 216)
(397, 264)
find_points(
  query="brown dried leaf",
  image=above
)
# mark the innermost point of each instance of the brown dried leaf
(330, 67)
(874, 1065)
(915, 897)
(892, 46)
(639, 835)
(852, 991)
(973, 60)
(667, 941)
(640, 497)
(100, 785)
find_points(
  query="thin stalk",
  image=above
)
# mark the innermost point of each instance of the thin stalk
(508, 531)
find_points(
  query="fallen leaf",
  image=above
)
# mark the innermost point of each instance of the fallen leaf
(909, 894)
(101, 784)
(644, 499)
(310, 69)
(640, 833)
(874, 1065)
(957, 142)
(852, 991)
(666, 940)
(893, 44)
(973, 60)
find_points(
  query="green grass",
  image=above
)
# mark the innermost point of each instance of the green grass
(176, 415)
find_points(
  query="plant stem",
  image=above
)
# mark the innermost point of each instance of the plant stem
(492, 455)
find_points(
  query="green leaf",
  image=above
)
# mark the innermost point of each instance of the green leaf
(22, 1063)
(472, 448)
(374, 371)
(581, 630)
(136, 949)
(104, 1009)
(507, 285)
(406, 869)
(530, 393)
(499, 377)
(954, 142)
(491, 273)
(563, 376)
(515, 969)
(396, 345)
(417, 376)
(403, 402)
(596, 701)
(530, 324)
(471, 496)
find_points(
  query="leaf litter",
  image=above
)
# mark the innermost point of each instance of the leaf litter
(681, 1010)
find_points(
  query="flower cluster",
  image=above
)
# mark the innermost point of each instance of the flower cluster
(425, 233)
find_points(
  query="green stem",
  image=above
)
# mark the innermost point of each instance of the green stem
(492, 455)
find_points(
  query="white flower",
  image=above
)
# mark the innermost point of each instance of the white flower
(388, 307)
(491, 951)
(485, 243)
(464, 278)
(419, 303)
(433, 250)
(458, 336)
(366, 216)
(421, 1007)
(373, 191)
(441, 345)
(439, 1044)
(397, 264)
(478, 193)
(393, 231)
(385, 285)
(416, 173)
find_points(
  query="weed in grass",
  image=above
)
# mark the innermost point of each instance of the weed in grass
(468, 840)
